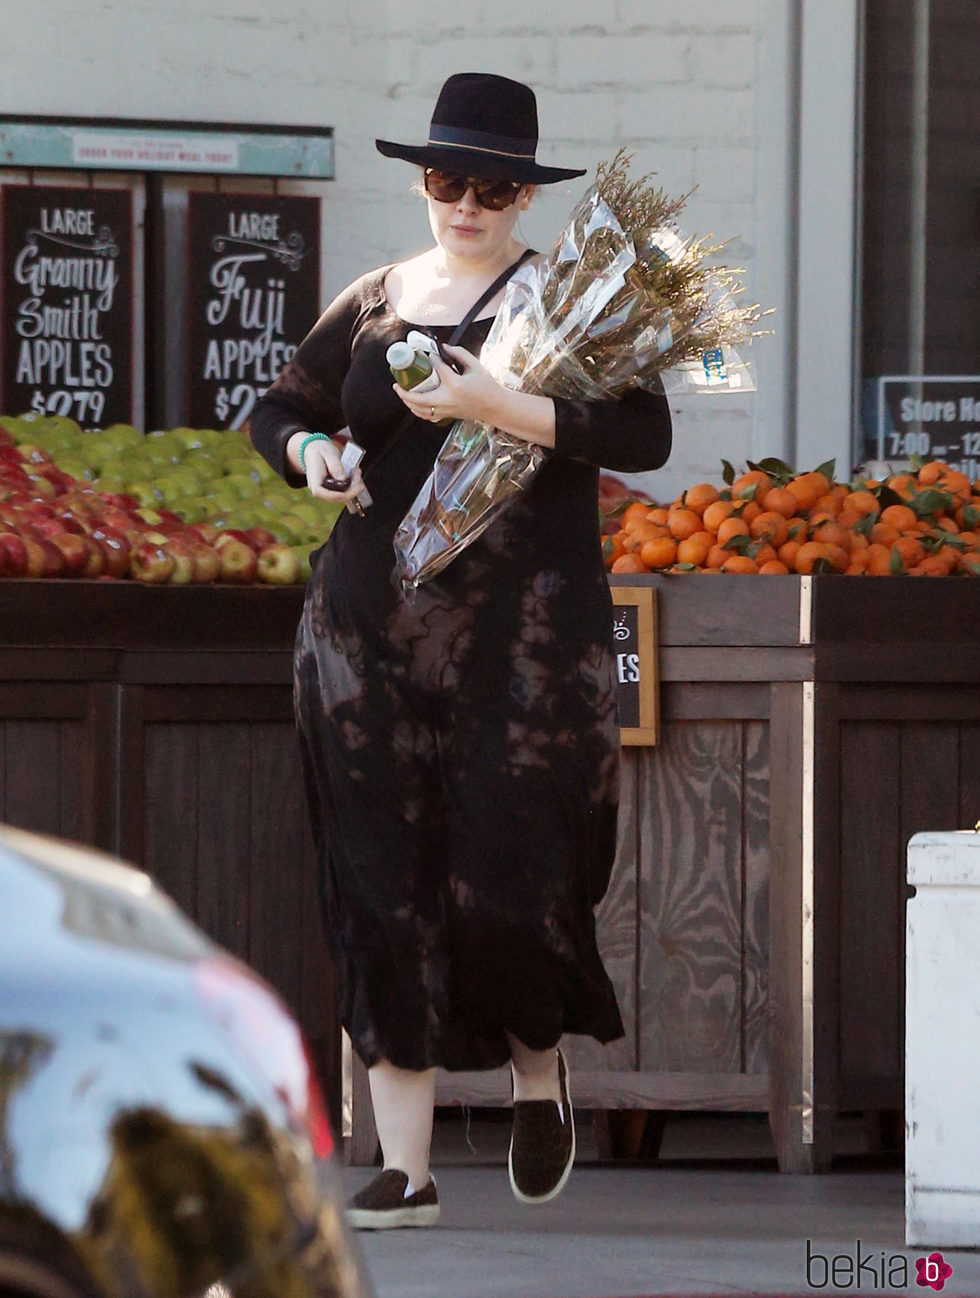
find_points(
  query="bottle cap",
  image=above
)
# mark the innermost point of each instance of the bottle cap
(421, 342)
(399, 356)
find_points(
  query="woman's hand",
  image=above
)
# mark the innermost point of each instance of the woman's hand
(473, 394)
(321, 460)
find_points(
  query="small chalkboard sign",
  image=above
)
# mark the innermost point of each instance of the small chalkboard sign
(66, 279)
(253, 296)
(637, 668)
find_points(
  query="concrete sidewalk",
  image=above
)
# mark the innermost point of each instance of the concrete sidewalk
(689, 1226)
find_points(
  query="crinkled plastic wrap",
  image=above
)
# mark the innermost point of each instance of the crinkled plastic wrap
(587, 322)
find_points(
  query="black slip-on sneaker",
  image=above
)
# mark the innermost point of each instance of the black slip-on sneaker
(542, 1144)
(383, 1204)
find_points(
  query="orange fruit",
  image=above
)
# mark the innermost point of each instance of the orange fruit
(749, 511)
(903, 484)
(884, 533)
(764, 554)
(833, 534)
(858, 564)
(628, 563)
(694, 549)
(779, 500)
(773, 567)
(732, 527)
(739, 563)
(615, 547)
(788, 551)
(911, 549)
(878, 560)
(700, 496)
(803, 491)
(716, 513)
(658, 515)
(634, 514)
(752, 478)
(716, 556)
(901, 517)
(810, 555)
(771, 525)
(829, 502)
(682, 523)
(932, 471)
(661, 552)
(863, 502)
(970, 564)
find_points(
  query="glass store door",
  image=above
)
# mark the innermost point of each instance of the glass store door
(920, 280)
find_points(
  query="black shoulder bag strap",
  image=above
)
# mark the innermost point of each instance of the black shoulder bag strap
(486, 297)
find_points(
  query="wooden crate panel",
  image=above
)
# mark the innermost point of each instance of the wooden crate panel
(224, 812)
(47, 777)
(755, 899)
(616, 933)
(691, 900)
(871, 898)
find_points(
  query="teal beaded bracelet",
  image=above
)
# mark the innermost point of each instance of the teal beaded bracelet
(312, 437)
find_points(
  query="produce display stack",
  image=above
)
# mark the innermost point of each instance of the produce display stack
(199, 505)
(178, 506)
(771, 520)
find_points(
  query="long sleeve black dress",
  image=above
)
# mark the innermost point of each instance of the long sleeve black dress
(460, 749)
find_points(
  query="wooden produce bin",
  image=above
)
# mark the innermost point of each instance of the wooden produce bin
(754, 926)
(157, 723)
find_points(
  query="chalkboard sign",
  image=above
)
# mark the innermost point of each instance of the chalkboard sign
(67, 319)
(637, 668)
(253, 295)
(933, 416)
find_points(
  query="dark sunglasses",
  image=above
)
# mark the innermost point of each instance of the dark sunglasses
(447, 187)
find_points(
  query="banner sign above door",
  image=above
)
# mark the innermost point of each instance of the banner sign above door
(296, 152)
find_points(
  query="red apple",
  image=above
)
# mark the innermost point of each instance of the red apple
(41, 487)
(207, 532)
(183, 559)
(75, 550)
(150, 562)
(278, 564)
(238, 561)
(229, 534)
(207, 562)
(95, 565)
(259, 538)
(13, 555)
(43, 559)
(115, 548)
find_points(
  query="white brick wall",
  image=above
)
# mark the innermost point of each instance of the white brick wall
(675, 80)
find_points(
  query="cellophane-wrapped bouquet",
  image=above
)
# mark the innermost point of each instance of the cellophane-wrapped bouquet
(622, 297)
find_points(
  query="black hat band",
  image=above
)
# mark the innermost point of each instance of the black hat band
(502, 146)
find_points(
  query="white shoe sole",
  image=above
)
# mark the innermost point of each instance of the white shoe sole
(392, 1218)
(556, 1190)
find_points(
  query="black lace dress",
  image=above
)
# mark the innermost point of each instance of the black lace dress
(460, 749)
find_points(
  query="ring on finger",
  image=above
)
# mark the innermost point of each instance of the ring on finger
(432, 412)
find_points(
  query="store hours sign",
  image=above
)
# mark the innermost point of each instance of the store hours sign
(66, 327)
(253, 295)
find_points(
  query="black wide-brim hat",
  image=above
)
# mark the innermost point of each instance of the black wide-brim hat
(483, 125)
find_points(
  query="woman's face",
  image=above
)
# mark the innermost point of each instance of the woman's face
(473, 233)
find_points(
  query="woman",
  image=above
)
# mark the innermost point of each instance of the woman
(460, 749)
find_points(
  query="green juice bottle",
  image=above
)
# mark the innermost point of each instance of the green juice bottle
(413, 370)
